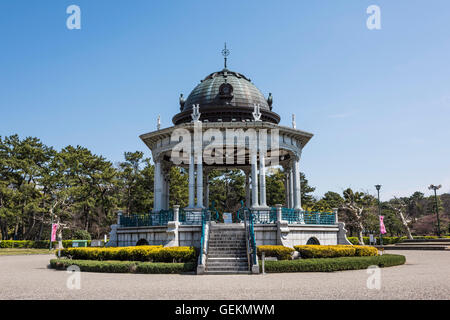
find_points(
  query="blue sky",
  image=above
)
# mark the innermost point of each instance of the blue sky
(377, 101)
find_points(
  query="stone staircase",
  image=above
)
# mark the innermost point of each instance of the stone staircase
(426, 244)
(227, 251)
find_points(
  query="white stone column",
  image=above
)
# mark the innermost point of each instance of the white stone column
(199, 180)
(286, 187)
(191, 182)
(167, 198)
(297, 194)
(262, 180)
(291, 188)
(255, 202)
(206, 189)
(157, 186)
(247, 189)
(163, 192)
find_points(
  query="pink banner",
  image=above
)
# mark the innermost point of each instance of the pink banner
(382, 227)
(54, 228)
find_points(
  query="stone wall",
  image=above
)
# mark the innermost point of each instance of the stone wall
(265, 234)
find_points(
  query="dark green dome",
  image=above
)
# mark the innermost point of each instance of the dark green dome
(226, 96)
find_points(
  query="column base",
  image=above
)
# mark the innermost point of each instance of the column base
(260, 207)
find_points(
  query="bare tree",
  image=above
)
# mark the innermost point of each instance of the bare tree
(354, 207)
(399, 206)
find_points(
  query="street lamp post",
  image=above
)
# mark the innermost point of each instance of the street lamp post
(433, 187)
(378, 187)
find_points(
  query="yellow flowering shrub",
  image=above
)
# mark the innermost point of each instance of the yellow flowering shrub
(281, 252)
(139, 253)
(318, 251)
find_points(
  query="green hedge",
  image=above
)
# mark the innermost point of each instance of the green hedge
(391, 240)
(319, 251)
(140, 253)
(123, 266)
(333, 264)
(39, 244)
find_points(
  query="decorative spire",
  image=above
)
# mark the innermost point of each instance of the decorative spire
(294, 125)
(225, 53)
(195, 112)
(158, 123)
(257, 113)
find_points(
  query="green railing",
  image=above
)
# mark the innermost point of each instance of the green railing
(259, 216)
(264, 216)
(252, 239)
(214, 213)
(196, 217)
(145, 220)
(293, 216)
(319, 217)
(206, 216)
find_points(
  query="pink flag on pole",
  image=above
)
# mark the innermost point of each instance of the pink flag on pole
(54, 228)
(382, 227)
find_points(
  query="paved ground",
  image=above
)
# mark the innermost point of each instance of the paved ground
(426, 275)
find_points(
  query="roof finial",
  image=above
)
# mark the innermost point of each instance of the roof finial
(225, 53)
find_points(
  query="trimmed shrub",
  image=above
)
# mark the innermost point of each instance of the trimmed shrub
(148, 267)
(123, 266)
(333, 264)
(390, 240)
(280, 252)
(365, 251)
(318, 251)
(140, 253)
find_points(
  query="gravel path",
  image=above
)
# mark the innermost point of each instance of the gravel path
(426, 275)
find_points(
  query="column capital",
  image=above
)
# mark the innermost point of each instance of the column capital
(297, 155)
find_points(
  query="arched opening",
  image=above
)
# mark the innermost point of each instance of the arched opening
(313, 241)
(142, 242)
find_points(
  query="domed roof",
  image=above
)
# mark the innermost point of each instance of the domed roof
(226, 96)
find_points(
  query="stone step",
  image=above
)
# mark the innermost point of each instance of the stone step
(436, 243)
(225, 235)
(226, 241)
(227, 265)
(215, 237)
(239, 253)
(225, 269)
(227, 272)
(440, 240)
(228, 259)
(227, 255)
(227, 250)
(417, 247)
(228, 247)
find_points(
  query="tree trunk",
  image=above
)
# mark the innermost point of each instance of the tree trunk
(405, 224)
(360, 234)
(86, 221)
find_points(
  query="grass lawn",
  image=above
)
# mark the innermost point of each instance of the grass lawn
(26, 251)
